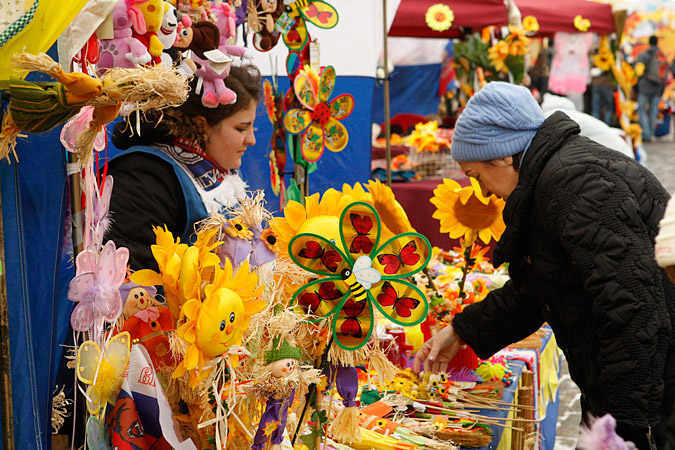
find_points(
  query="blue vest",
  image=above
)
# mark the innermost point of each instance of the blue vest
(194, 205)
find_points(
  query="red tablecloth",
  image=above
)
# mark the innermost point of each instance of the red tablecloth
(379, 152)
(414, 197)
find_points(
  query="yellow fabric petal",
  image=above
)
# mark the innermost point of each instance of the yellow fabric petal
(146, 277)
(295, 214)
(312, 205)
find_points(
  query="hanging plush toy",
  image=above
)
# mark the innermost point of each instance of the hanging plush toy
(262, 19)
(124, 50)
(279, 380)
(153, 14)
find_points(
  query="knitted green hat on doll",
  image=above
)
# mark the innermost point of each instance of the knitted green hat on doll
(285, 351)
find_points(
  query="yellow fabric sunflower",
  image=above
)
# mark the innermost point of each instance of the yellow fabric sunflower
(581, 24)
(181, 267)
(517, 40)
(439, 17)
(237, 229)
(392, 214)
(466, 212)
(321, 214)
(530, 24)
(497, 55)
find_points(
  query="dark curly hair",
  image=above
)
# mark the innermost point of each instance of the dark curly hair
(181, 121)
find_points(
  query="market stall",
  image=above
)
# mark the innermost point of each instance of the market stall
(266, 332)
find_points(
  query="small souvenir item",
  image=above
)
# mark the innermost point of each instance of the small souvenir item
(95, 288)
(153, 15)
(319, 120)
(103, 372)
(278, 386)
(262, 19)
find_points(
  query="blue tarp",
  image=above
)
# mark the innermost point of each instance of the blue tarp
(413, 90)
(34, 194)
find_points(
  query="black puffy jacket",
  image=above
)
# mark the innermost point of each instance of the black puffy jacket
(579, 238)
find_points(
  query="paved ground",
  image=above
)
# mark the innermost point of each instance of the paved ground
(661, 161)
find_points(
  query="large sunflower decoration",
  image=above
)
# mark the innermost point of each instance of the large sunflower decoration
(323, 213)
(359, 276)
(177, 262)
(318, 121)
(465, 212)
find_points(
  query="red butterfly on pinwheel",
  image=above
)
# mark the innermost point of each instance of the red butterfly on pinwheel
(312, 12)
(406, 257)
(403, 305)
(329, 258)
(362, 242)
(351, 325)
(312, 300)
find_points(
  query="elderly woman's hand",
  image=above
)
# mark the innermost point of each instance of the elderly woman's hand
(437, 352)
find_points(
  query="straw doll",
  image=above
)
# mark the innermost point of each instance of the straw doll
(279, 379)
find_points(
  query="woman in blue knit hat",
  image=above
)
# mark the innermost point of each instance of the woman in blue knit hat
(580, 226)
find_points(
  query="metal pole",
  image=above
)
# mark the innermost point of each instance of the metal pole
(387, 118)
(5, 363)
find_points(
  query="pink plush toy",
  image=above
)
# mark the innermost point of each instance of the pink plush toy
(214, 90)
(124, 50)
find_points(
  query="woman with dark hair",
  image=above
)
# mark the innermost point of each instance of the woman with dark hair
(182, 167)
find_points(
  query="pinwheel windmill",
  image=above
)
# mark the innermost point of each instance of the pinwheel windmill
(361, 278)
(318, 121)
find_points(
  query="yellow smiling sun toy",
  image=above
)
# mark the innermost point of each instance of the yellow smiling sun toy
(217, 322)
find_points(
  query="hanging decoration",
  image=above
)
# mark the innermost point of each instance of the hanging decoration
(581, 24)
(274, 104)
(39, 107)
(439, 17)
(530, 24)
(318, 121)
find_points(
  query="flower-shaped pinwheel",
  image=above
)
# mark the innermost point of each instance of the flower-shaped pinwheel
(293, 22)
(319, 122)
(361, 277)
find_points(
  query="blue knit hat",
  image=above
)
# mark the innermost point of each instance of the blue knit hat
(500, 120)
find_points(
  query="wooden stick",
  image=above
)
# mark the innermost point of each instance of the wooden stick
(5, 365)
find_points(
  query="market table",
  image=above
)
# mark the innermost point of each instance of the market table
(545, 363)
